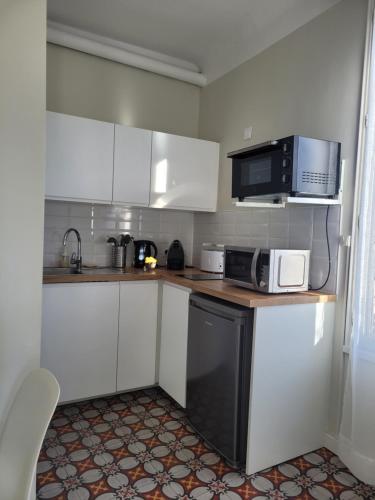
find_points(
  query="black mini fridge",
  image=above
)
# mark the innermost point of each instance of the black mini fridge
(218, 374)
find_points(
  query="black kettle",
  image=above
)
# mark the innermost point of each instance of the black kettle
(142, 249)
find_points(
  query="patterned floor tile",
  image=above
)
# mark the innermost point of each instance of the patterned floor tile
(140, 445)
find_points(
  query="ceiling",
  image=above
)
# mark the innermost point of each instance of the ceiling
(216, 35)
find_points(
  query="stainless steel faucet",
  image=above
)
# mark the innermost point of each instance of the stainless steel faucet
(76, 258)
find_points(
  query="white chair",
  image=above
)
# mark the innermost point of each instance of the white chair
(23, 433)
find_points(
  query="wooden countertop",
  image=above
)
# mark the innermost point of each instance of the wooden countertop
(216, 288)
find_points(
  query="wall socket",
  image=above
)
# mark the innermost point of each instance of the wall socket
(247, 133)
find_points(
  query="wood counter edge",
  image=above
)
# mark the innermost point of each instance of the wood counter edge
(218, 289)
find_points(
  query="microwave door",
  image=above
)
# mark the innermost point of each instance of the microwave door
(238, 266)
(258, 174)
(255, 269)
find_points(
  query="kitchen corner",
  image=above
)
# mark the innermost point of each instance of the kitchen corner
(146, 317)
(253, 319)
(195, 179)
(218, 289)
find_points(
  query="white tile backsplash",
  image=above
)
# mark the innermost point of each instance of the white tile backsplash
(292, 227)
(97, 222)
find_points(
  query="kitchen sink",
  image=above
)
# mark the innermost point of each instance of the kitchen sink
(53, 271)
(57, 270)
(104, 270)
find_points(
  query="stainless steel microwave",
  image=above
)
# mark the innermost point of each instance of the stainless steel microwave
(293, 166)
(267, 270)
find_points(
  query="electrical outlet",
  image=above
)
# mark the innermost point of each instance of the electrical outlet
(247, 133)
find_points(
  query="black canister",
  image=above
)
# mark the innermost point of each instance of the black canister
(176, 256)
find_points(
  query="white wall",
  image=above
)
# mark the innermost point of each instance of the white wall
(308, 83)
(89, 86)
(22, 156)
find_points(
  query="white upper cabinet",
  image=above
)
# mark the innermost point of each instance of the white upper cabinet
(79, 158)
(184, 173)
(94, 161)
(132, 165)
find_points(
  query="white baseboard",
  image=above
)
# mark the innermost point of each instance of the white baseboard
(330, 442)
(361, 466)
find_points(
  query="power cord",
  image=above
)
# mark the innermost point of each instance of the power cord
(329, 256)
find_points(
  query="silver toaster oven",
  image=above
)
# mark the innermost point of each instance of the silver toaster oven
(293, 166)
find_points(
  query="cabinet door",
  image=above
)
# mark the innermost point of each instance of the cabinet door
(132, 165)
(173, 341)
(184, 172)
(137, 335)
(79, 337)
(79, 158)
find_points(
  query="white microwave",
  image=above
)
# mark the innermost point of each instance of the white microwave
(267, 270)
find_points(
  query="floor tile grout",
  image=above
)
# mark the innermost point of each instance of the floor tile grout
(140, 445)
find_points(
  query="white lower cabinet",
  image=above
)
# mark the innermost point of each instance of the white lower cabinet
(79, 337)
(99, 338)
(137, 334)
(290, 382)
(173, 341)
